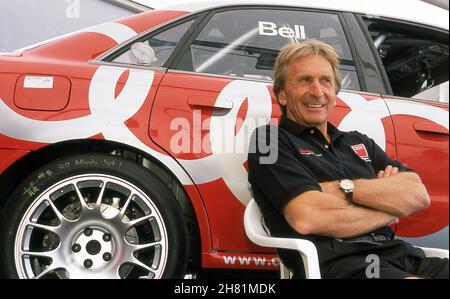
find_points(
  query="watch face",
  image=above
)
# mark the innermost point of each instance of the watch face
(346, 184)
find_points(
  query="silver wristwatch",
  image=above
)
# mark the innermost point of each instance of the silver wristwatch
(347, 186)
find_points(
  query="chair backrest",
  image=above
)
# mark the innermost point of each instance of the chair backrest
(257, 234)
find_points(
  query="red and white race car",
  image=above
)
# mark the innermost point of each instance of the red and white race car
(123, 146)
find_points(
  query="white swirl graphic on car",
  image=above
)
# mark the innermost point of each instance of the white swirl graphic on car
(108, 114)
(107, 111)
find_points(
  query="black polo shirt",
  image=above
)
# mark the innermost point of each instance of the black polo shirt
(305, 158)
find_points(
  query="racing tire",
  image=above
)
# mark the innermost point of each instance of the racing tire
(93, 216)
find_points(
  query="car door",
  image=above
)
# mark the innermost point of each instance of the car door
(415, 58)
(422, 144)
(220, 89)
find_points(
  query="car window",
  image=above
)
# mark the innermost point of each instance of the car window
(415, 58)
(245, 43)
(161, 45)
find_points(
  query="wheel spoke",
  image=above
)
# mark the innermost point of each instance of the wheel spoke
(135, 222)
(80, 197)
(53, 266)
(58, 214)
(45, 254)
(142, 265)
(45, 272)
(125, 206)
(137, 247)
(53, 229)
(100, 196)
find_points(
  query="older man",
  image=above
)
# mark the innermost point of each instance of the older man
(320, 189)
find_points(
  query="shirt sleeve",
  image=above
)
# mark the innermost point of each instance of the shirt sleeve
(274, 169)
(380, 159)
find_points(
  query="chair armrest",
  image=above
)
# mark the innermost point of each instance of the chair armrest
(305, 248)
(256, 233)
(434, 252)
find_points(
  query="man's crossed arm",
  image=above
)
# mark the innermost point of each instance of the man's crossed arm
(376, 203)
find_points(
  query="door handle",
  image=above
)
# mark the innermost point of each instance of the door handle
(428, 127)
(209, 103)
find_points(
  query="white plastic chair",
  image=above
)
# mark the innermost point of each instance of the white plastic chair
(253, 223)
(254, 228)
(434, 252)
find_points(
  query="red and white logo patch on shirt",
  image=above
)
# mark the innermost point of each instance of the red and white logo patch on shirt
(361, 151)
(308, 152)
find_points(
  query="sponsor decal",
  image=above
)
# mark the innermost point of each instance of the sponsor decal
(250, 261)
(38, 82)
(270, 29)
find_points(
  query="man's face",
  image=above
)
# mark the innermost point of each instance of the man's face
(309, 92)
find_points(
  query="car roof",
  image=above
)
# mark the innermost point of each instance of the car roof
(406, 10)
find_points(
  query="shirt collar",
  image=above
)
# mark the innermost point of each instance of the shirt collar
(297, 129)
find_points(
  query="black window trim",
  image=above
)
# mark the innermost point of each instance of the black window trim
(178, 55)
(378, 61)
(199, 20)
(364, 55)
(354, 52)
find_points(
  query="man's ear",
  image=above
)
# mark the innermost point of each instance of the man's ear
(282, 98)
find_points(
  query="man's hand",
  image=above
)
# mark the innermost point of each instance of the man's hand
(387, 172)
(395, 221)
(394, 192)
